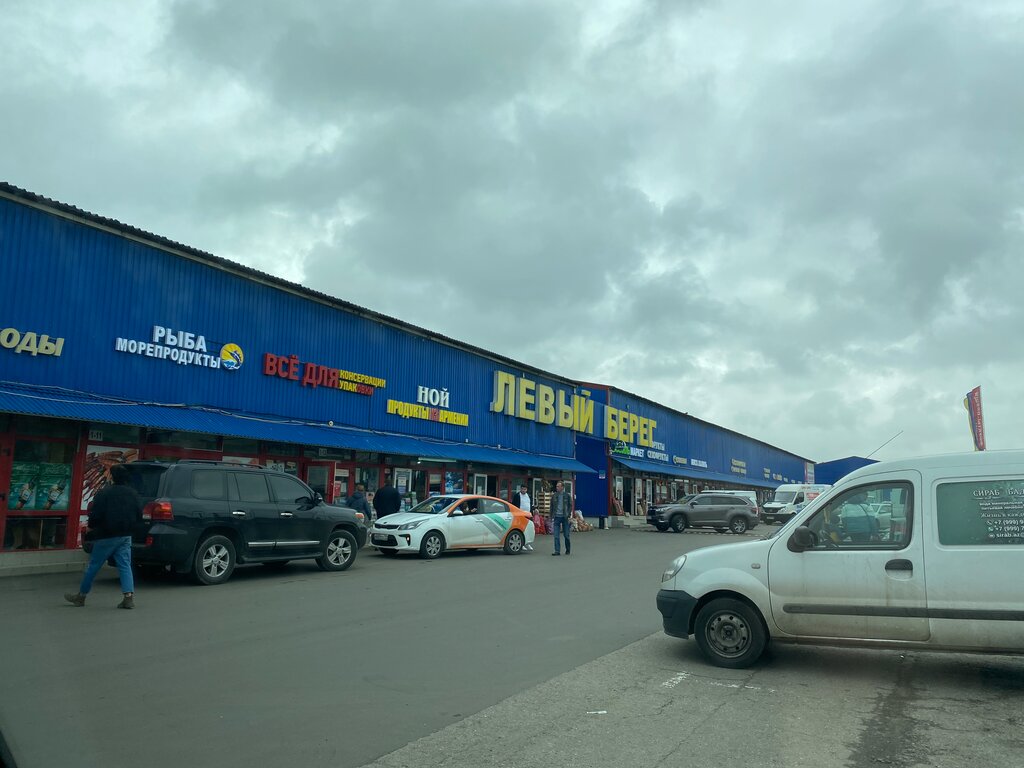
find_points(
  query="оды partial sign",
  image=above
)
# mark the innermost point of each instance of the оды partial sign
(31, 342)
(184, 348)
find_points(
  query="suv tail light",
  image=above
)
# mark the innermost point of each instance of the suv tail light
(158, 510)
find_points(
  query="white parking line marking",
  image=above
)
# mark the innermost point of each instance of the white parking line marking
(680, 677)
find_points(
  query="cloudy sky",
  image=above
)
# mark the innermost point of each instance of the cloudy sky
(800, 220)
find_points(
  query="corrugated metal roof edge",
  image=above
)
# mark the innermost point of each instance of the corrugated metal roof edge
(610, 388)
(66, 210)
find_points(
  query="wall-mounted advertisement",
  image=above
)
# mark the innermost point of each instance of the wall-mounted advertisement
(98, 461)
(39, 486)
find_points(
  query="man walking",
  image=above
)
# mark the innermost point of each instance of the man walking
(357, 501)
(387, 501)
(561, 516)
(521, 499)
(113, 513)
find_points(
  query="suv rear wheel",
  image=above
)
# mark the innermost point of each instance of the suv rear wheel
(215, 560)
(339, 551)
(738, 524)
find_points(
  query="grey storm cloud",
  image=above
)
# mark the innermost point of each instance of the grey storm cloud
(801, 221)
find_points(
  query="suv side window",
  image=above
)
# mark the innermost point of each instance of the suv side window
(209, 484)
(850, 521)
(252, 487)
(702, 501)
(288, 490)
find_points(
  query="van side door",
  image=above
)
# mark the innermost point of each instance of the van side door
(975, 561)
(850, 582)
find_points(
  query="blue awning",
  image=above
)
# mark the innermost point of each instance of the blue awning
(57, 403)
(692, 473)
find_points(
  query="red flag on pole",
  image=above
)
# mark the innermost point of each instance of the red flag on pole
(973, 405)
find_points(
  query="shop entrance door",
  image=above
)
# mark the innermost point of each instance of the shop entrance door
(6, 458)
(627, 496)
(319, 476)
(480, 485)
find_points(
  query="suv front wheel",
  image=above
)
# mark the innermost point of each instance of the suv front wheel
(215, 560)
(339, 551)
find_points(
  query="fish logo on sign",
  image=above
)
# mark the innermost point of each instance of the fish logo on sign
(231, 357)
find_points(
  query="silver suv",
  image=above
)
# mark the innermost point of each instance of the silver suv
(723, 512)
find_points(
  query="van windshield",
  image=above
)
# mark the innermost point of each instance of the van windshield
(785, 497)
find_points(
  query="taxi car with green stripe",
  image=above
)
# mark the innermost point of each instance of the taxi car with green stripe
(454, 521)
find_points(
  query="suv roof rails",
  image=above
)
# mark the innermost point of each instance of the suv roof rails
(219, 463)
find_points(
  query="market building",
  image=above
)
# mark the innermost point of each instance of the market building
(117, 345)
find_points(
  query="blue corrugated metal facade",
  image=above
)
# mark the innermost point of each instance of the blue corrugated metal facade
(92, 287)
(159, 335)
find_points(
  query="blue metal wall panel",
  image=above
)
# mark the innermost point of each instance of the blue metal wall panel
(697, 442)
(90, 287)
(831, 472)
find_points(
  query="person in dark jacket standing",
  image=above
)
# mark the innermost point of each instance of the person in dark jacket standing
(358, 502)
(561, 516)
(387, 500)
(113, 513)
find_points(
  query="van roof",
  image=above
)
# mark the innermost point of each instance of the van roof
(975, 460)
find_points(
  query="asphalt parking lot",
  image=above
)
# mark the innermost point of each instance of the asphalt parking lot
(484, 658)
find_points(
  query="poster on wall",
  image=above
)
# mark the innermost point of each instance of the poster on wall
(39, 485)
(98, 461)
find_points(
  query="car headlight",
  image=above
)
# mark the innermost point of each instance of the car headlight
(673, 568)
(410, 526)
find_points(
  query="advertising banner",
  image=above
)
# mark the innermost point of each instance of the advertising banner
(973, 405)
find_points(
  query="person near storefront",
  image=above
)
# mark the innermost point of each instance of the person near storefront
(561, 516)
(113, 513)
(357, 501)
(387, 500)
(521, 499)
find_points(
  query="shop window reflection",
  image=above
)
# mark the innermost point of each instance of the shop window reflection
(35, 532)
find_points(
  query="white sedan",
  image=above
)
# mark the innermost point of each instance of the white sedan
(454, 521)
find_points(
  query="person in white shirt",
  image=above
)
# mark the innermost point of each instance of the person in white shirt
(522, 500)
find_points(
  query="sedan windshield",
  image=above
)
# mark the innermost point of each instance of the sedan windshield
(435, 505)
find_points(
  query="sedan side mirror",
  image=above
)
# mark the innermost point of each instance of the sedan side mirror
(803, 538)
(455, 513)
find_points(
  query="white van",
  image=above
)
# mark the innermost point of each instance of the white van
(790, 499)
(919, 553)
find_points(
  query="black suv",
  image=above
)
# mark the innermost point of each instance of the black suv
(720, 511)
(204, 517)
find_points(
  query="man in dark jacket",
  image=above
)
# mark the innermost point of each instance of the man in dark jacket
(357, 501)
(113, 513)
(387, 500)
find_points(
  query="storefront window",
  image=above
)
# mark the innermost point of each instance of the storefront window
(240, 445)
(33, 425)
(454, 482)
(334, 454)
(282, 449)
(193, 440)
(369, 477)
(434, 487)
(114, 433)
(38, 532)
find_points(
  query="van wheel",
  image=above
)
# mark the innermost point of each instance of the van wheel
(432, 546)
(738, 524)
(678, 523)
(215, 560)
(730, 633)
(339, 551)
